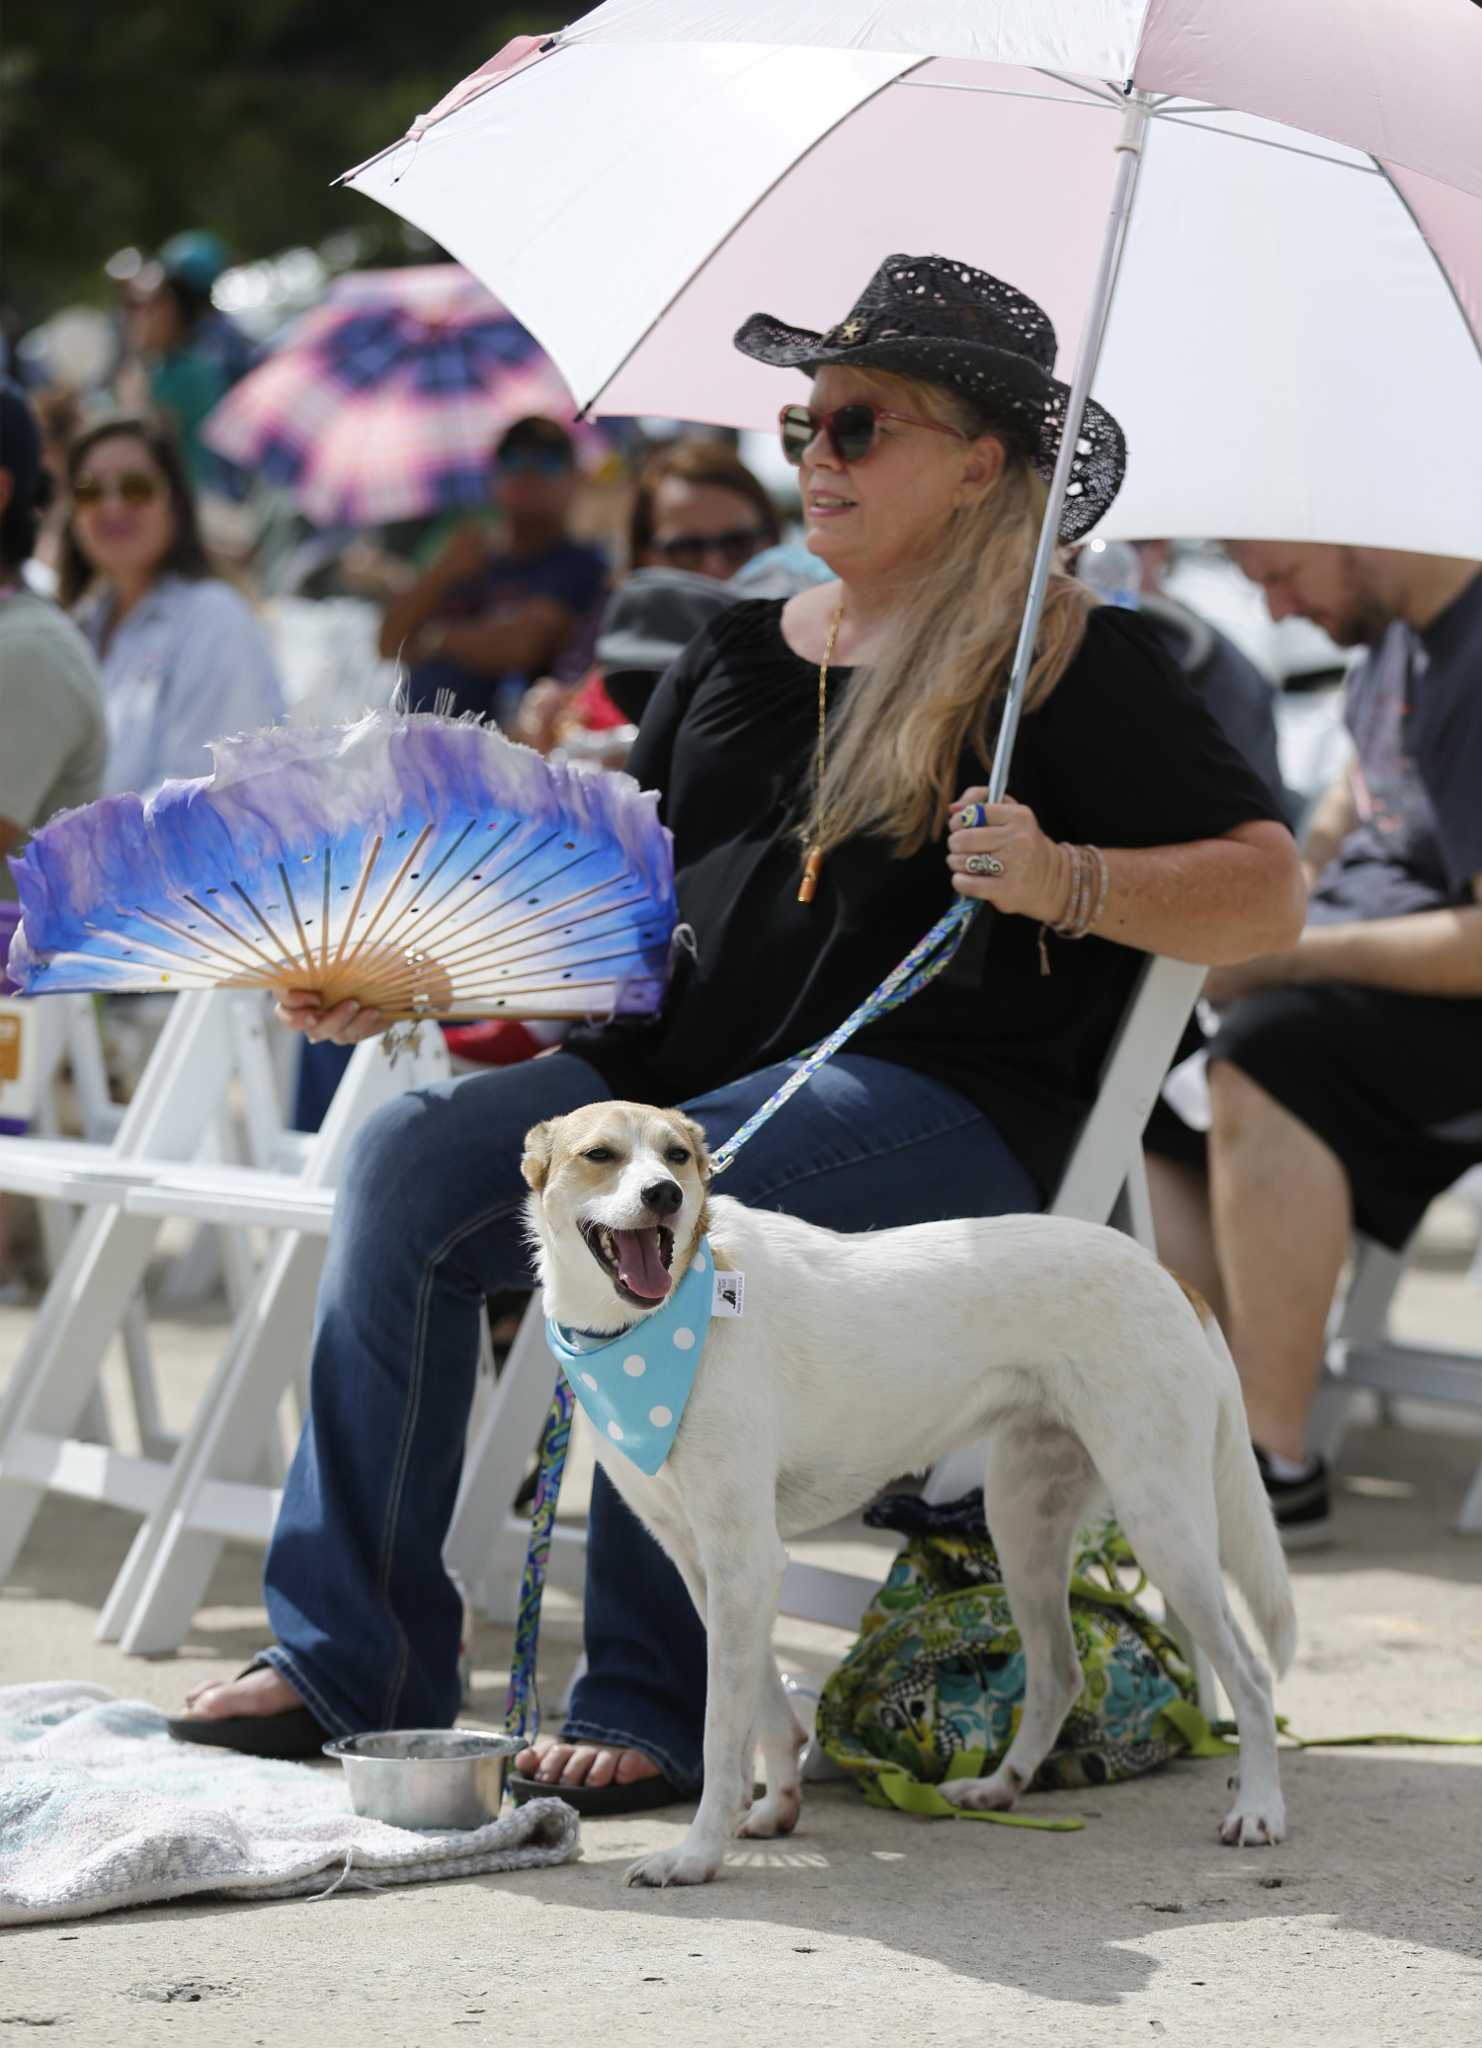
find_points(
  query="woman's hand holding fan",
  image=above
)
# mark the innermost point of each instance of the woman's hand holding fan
(301, 1009)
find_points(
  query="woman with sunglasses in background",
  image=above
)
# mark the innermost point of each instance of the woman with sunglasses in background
(811, 755)
(182, 655)
(698, 507)
(697, 512)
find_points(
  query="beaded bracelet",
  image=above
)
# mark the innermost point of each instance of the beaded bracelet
(1085, 902)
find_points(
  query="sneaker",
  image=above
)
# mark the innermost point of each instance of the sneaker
(1301, 1506)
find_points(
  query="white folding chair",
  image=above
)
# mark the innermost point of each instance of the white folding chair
(1104, 1180)
(208, 1493)
(98, 1274)
(41, 1040)
(1363, 1355)
(203, 1049)
(235, 1106)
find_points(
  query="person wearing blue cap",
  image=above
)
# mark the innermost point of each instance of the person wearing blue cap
(192, 353)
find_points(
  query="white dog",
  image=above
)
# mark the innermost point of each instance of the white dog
(857, 1358)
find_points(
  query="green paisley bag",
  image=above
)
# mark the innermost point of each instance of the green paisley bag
(934, 1686)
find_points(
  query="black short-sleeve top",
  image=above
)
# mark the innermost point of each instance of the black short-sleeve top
(1121, 754)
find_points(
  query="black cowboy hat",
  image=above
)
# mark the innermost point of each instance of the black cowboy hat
(946, 323)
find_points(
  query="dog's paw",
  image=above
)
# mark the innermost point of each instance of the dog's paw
(1257, 1826)
(775, 1813)
(981, 1795)
(672, 1866)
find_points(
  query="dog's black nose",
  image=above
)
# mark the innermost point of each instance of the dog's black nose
(663, 1196)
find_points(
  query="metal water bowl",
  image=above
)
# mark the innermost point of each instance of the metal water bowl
(427, 1777)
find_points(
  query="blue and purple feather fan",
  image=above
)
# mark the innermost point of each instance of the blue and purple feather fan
(423, 865)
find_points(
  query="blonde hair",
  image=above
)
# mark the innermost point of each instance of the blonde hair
(932, 690)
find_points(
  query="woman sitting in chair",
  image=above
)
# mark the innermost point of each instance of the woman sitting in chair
(809, 755)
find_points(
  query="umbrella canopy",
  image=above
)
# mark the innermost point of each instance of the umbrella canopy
(1293, 344)
(385, 402)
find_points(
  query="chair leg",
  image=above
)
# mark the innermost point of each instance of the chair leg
(1469, 1521)
(164, 1578)
(1332, 1413)
(53, 1380)
(494, 1465)
(155, 1441)
(95, 1424)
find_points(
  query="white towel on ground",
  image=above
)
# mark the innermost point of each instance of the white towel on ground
(100, 1807)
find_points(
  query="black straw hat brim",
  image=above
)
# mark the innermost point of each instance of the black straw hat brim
(1009, 386)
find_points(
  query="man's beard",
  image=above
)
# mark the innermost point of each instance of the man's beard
(1363, 619)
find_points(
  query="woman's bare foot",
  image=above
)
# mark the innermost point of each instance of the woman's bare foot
(583, 1763)
(263, 1690)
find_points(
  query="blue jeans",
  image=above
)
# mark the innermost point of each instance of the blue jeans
(427, 1224)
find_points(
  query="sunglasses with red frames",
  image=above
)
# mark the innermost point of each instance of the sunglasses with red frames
(849, 429)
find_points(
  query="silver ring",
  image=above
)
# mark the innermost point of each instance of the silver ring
(983, 864)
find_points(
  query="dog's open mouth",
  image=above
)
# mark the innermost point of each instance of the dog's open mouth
(637, 1261)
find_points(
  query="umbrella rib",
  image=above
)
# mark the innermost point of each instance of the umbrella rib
(1112, 94)
(1000, 92)
(1203, 127)
(1472, 335)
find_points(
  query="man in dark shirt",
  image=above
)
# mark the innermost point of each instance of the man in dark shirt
(483, 622)
(1346, 1077)
(1232, 687)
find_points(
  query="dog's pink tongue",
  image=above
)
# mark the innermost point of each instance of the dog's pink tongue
(640, 1268)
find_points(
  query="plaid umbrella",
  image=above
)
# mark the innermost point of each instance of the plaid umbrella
(384, 403)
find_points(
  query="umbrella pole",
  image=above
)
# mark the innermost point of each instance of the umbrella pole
(1129, 150)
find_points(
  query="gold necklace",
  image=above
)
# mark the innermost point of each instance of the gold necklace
(813, 865)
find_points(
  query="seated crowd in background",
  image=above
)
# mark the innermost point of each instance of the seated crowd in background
(698, 516)
(1345, 1087)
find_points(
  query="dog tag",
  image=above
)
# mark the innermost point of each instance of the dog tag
(728, 1294)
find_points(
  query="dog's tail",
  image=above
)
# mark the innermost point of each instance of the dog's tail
(1250, 1549)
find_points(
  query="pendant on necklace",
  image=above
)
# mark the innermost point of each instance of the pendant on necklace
(812, 869)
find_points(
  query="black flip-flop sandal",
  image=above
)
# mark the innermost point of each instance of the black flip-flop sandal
(292, 1736)
(639, 1795)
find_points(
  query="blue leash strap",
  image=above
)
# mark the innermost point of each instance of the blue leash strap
(522, 1703)
(922, 964)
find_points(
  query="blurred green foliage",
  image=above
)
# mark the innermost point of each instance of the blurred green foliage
(124, 121)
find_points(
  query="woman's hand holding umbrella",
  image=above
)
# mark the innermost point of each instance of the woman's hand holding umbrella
(1007, 860)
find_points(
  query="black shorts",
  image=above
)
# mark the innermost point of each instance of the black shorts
(1391, 1083)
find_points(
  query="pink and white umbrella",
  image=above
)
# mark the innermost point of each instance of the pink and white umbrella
(384, 403)
(1293, 345)
(1291, 312)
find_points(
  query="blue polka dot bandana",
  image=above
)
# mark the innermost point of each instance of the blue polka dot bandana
(634, 1386)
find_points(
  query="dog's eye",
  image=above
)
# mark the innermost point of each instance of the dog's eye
(677, 1155)
(600, 1155)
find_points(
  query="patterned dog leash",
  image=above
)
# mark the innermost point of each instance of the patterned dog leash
(922, 964)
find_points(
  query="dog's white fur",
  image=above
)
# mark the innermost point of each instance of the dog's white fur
(862, 1357)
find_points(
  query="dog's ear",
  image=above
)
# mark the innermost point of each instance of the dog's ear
(536, 1162)
(696, 1136)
